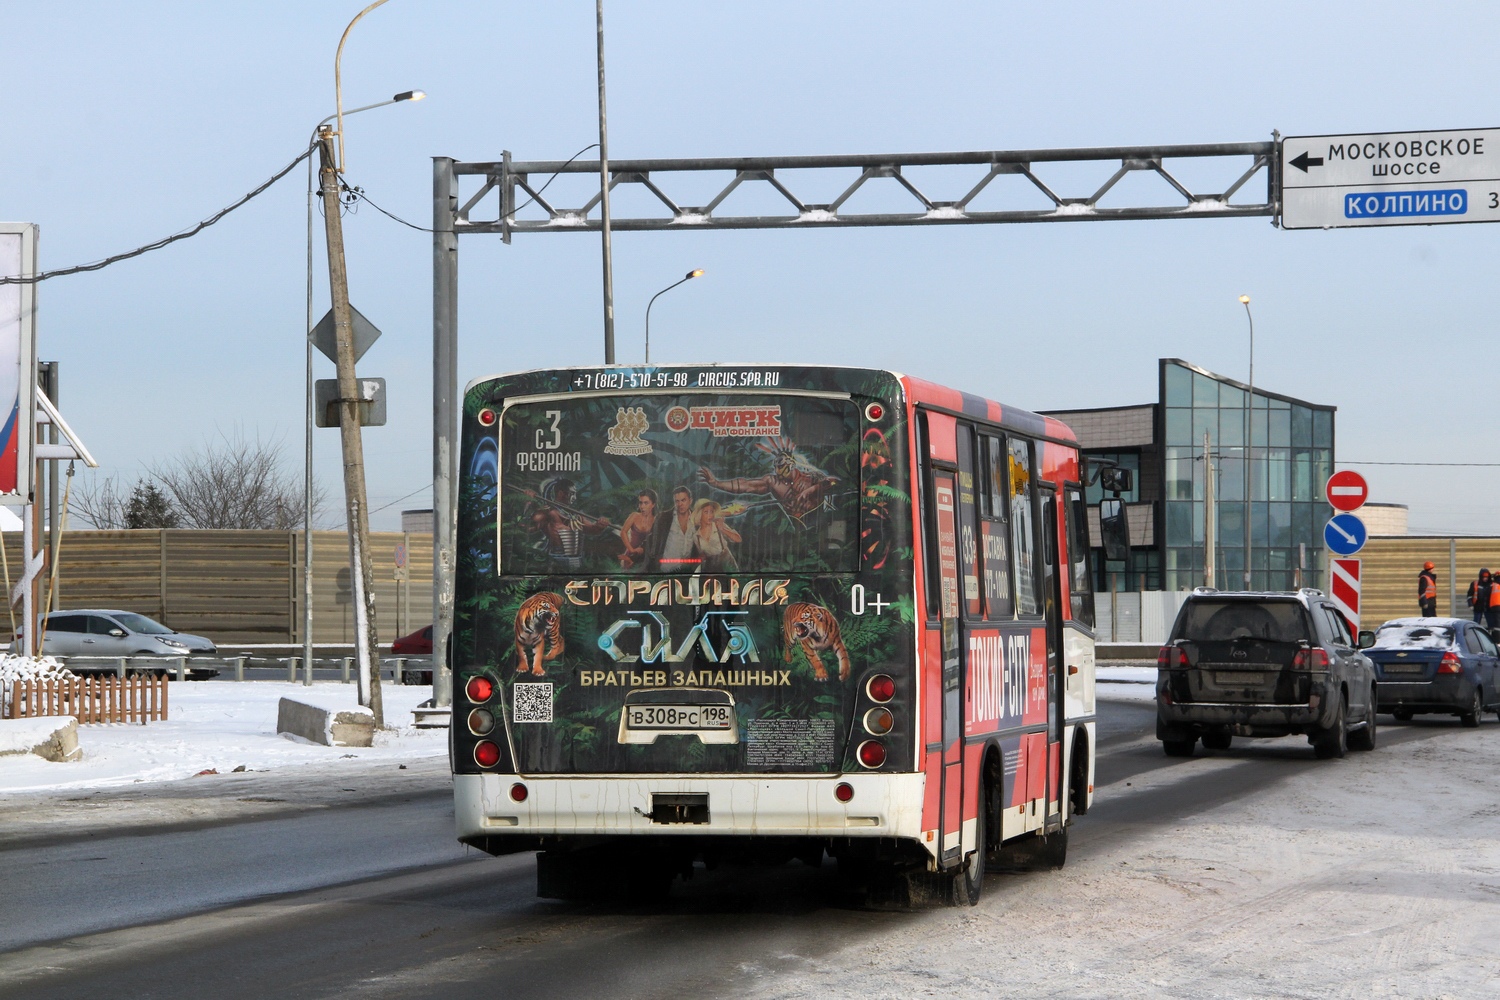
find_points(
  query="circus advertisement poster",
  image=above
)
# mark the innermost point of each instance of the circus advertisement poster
(17, 358)
(704, 484)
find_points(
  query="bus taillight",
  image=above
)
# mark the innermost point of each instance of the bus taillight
(843, 791)
(871, 753)
(486, 754)
(487, 417)
(518, 792)
(481, 722)
(881, 688)
(874, 412)
(479, 689)
(879, 721)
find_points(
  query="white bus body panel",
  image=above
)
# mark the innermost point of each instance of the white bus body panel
(884, 805)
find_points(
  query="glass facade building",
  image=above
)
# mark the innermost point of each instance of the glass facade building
(1289, 457)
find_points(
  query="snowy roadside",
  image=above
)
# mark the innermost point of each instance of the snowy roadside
(153, 776)
(1125, 681)
(220, 726)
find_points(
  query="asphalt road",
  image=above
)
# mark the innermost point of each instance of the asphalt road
(376, 900)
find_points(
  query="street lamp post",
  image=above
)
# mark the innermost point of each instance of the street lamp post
(695, 273)
(307, 471)
(609, 266)
(1249, 466)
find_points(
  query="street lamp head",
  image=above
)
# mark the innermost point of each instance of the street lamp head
(695, 273)
(410, 95)
(1244, 300)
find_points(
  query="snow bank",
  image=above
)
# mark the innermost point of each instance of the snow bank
(21, 735)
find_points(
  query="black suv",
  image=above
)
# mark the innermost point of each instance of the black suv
(1264, 664)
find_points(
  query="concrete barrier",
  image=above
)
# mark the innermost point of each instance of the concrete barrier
(331, 727)
(50, 737)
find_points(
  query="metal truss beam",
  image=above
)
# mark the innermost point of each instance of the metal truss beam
(505, 181)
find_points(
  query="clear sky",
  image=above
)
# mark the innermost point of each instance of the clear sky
(129, 121)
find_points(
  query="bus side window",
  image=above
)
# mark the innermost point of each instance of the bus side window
(1080, 580)
(1023, 525)
(971, 477)
(994, 541)
(923, 479)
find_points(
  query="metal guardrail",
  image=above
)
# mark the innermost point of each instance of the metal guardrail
(181, 666)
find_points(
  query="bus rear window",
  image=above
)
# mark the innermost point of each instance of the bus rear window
(660, 484)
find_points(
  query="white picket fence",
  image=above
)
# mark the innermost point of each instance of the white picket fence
(1137, 616)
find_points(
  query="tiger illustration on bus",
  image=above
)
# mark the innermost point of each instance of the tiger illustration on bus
(816, 629)
(539, 635)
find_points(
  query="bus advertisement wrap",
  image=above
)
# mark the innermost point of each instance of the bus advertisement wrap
(686, 580)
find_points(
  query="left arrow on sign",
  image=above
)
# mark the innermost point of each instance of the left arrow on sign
(1303, 161)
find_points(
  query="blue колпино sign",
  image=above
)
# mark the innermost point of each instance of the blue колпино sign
(1393, 204)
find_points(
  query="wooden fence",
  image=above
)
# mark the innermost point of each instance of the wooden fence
(239, 586)
(92, 699)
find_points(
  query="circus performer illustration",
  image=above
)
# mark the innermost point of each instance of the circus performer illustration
(562, 525)
(670, 547)
(636, 530)
(712, 538)
(794, 483)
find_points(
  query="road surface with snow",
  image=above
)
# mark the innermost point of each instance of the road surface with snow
(1255, 872)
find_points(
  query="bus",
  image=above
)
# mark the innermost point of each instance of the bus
(726, 613)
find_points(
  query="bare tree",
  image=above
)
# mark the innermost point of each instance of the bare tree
(234, 483)
(100, 500)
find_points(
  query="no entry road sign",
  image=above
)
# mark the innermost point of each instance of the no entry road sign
(1344, 534)
(1343, 587)
(1347, 490)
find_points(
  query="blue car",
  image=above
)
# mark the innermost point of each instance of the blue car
(1444, 666)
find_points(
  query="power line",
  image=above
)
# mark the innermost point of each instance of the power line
(357, 194)
(166, 241)
(393, 503)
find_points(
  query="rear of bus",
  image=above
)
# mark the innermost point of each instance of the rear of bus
(685, 619)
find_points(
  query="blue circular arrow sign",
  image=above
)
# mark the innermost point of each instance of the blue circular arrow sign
(1344, 534)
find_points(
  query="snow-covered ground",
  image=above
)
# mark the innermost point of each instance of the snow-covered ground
(1121, 682)
(221, 726)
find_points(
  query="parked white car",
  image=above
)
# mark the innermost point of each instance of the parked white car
(91, 632)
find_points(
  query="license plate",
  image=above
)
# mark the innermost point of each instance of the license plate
(1403, 668)
(1238, 676)
(683, 717)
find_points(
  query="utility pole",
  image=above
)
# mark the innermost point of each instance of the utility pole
(366, 642)
(609, 265)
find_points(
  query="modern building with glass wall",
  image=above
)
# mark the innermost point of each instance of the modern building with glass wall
(1201, 419)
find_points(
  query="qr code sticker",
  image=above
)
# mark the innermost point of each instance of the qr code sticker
(532, 703)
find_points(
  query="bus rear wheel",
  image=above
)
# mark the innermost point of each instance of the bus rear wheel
(968, 883)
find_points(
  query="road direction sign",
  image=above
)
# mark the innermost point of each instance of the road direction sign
(1343, 587)
(1344, 534)
(365, 334)
(1347, 490)
(1390, 179)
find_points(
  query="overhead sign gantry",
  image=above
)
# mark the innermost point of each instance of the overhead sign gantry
(1319, 182)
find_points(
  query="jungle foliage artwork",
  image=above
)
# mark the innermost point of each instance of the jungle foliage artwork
(642, 554)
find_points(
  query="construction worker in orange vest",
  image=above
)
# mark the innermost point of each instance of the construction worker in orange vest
(1479, 594)
(1492, 613)
(1427, 590)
